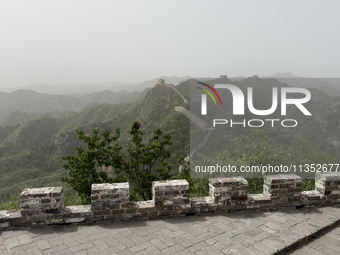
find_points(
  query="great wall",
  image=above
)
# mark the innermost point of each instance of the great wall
(283, 219)
(111, 201)
(45, 206)
(192, 117)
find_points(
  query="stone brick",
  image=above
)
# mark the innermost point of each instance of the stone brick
(328, 184)
(109, 196)
(40, 201)
(43, 206)
(170, 193)
(228, 190)
(283, 188)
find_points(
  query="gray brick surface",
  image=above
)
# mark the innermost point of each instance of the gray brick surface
(230, 233)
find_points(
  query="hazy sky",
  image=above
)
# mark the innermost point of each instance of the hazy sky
(82, 41)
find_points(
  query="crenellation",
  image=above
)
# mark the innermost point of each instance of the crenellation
(170, 193)
(283, 188)
(258, 201)
(111, 201)
(328, 184)
(228, 191)
(107, 196)
(41, 203)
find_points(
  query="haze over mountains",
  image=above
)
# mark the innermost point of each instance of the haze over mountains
(82, 89)
(329, 86)
(38, 99)
(31, 149)
(20, 104)
(41, 130)
(13, 105)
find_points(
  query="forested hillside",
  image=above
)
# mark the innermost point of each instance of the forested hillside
(31, 152)
(314, 140)
(19, 105)
(32, 144)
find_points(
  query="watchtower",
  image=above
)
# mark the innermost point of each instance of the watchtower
(161, 82)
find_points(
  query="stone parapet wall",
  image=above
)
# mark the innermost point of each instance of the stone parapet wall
(41, 201)
(228, 191)
(328, 184)
(109, 196)
(283, 189)
(111, 201)
(170, 193)
(42, 205)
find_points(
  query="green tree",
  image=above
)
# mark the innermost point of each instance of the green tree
(139, 162)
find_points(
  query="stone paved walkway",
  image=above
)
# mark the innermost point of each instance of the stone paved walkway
(328, 243)
(231, 233)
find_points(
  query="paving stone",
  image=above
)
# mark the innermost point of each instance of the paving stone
(140, 247)
(5, 252)
(255, 251)
(159, 244)
(142, 253)
(23, 247)
(153, 250)
(100, 245)
(12, 242)
(324, 244)
(187, 243)
(32, 251)
(331, 241)
(239, 240)
(65, 252)
(191, 238)
(328, 250)
(70, 242)
(174, 249)
(221, 246)
(233, 249)
(243, 252)
(81, 253)
(81, 247)
(291, 233)
(274, 244)
(210, 250)
(334, 235)
(229, 233)
(335, 247)
(56, 241)
(258, 223)
(258, 238)
(306, 251)
(25, 238)
(197, 247)
(55, 250)
(265, 248)
(43, 245)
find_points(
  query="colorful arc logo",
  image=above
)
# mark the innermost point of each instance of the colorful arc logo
(204, 97)
(210, 94)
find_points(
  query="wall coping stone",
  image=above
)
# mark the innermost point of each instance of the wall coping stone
(109, 186)
(41, 192)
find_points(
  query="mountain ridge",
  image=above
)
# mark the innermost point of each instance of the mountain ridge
(31, 151)
(37, 103)
(82, 89)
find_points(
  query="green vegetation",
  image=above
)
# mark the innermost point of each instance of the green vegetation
(12, 204)
(32, 144)
(105, 161)
(262, 148)
(74, 199)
